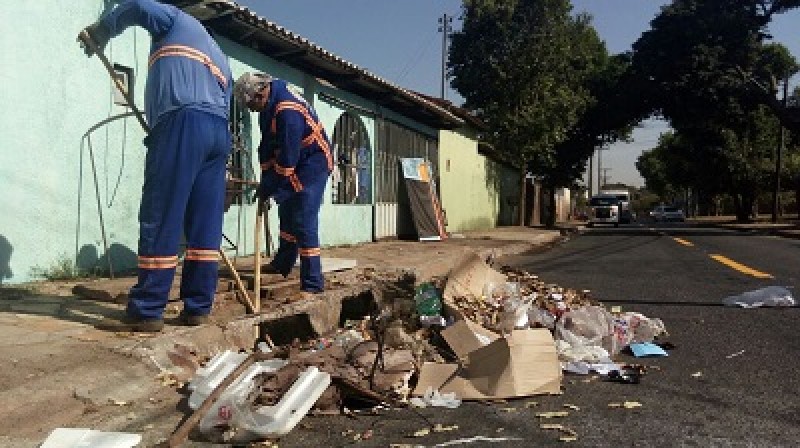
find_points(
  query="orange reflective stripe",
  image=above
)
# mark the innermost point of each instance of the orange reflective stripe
(310, 252)
(268, 164)
(191, 53)
(316, 129)
(284, 171)
(288, 237)
(202, 255)
(162, 262)
(295, 182)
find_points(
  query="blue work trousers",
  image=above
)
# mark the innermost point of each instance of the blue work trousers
(299, 227)
(183, 195)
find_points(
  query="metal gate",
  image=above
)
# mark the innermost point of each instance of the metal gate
(393, 142)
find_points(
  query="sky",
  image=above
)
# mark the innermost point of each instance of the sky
(399, 40)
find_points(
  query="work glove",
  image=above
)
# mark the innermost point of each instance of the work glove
(100, 35)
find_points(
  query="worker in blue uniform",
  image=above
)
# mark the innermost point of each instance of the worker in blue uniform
(187, 97)
(295, 157)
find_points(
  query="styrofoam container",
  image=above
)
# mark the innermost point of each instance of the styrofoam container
(216, 369)
(204, 389)
(89, 438)
(293, 406)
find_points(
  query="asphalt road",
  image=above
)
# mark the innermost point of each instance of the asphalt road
(667, 271)
(731, 381)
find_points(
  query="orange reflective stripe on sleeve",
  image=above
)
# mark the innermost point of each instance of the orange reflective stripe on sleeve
(210, 255)
(310, 252)
(288, 237)
(191, 53)
(284, 171)
(161, 262)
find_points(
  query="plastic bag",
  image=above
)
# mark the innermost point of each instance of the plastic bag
(434, 399)
(499, 293)
(775, 296)
(584, 332)
(541, 317)
(514, 315)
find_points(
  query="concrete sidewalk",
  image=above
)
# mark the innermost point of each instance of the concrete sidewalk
(786, 229)
(59, 371)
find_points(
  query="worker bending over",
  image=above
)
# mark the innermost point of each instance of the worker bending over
(296, 161)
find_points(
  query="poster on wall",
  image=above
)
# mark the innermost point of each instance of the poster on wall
(426, 212)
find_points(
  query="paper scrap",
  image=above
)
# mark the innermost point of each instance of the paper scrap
(554, 414)
(645, 349)
(631, 404)
(422, 432)
(572, 406)
(734, 354)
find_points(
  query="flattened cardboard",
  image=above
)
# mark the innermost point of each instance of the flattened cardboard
(524, 363)
(469, 276)
(466, 336)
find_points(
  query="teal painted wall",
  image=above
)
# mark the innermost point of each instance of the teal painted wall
(52, 94)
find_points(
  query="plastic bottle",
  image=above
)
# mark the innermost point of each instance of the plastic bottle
(428, 301)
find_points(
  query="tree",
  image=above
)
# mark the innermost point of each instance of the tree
(522, 66)
(689, 67)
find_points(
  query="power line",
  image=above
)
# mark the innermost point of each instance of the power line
(421, 50)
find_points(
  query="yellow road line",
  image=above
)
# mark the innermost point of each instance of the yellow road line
(682, 241)
(740, 267)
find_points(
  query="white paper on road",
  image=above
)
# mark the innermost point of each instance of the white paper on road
(89, 438)
(478, 439)
(772, 296)
(585, 368)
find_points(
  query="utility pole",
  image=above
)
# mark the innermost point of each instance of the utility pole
(591, 172)
(599, 168)
(445, 28)
(776, 195)
(605, 175)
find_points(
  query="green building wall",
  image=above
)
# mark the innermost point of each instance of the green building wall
(476, 190)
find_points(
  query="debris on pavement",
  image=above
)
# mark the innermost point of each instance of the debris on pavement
(553, 414)
(478, 334)
(477, 439)
(771, 296)
(645, 349)
(82, 437)
(733, 355)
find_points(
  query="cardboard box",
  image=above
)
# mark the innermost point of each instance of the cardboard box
(523, 364)
(469, 277)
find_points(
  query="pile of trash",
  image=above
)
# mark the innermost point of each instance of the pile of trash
(479, 334)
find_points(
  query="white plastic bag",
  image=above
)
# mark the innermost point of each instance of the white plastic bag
(630, 328)
(774, 296)
(434, 399)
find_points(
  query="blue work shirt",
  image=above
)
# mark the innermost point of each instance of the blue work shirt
(186, 66)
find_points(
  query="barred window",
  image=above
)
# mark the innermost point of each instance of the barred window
(352, 173)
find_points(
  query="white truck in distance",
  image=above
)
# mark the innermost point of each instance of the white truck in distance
(624, 197)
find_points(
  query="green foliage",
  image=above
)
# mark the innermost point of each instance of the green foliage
(63, 268)
(523, 67)
(689, 68)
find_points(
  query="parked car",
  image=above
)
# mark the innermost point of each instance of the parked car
(667, 213)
